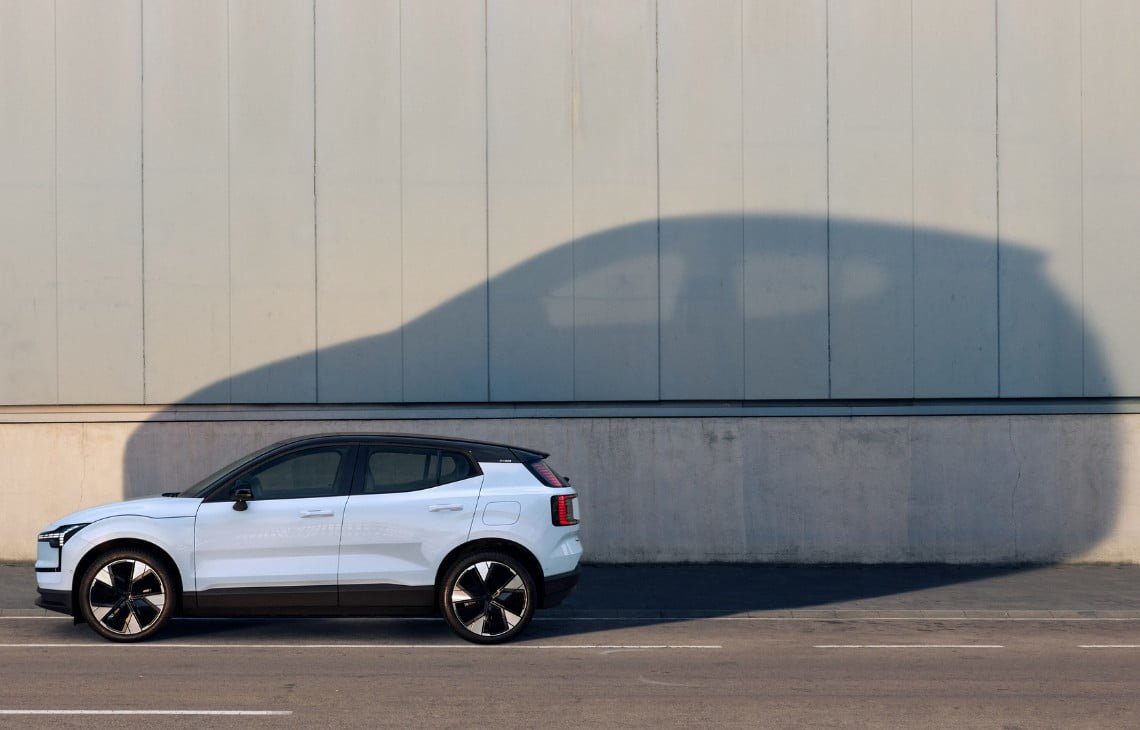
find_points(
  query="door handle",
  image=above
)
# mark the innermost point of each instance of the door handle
(317, 513)
(445, 508)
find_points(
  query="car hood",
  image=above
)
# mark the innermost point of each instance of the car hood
(158, 507)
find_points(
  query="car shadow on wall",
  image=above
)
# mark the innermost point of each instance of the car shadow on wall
(701, 280)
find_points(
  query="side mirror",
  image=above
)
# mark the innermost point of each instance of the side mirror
(242, 493)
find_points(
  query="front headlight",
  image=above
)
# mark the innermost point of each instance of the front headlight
(57, 537)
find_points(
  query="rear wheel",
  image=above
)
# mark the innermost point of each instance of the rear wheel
(126, 595)
(488, 597)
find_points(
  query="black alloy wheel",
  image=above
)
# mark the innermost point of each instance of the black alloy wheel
(488, 597)
(126, 595)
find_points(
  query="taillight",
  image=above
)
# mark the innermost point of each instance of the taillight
(564, 510)
(546, 475)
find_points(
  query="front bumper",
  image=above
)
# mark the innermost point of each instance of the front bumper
(54, 600)
(556, 588)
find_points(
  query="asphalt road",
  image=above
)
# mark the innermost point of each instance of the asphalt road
(568, 673)
(636, 646)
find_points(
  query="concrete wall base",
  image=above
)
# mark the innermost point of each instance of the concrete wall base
(957, 489)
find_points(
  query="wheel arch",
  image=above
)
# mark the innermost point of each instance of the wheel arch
(124, 543)
(514, 549)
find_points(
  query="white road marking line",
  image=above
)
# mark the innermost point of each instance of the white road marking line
(243, 619)
(180, 645)
(923, 618)
(666, 618)
(909, 646)
(1110, 646)
(146, 712)
(622, 646)
(646, 680)
(657, 619)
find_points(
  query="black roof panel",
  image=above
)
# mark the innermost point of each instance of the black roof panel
(480, 450)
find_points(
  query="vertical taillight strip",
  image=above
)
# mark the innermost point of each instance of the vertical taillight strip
(563, 510)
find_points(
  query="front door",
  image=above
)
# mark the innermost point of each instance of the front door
(281, 550)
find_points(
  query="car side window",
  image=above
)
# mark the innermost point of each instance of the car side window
(391, 470)
(311, 473)
(453, 468)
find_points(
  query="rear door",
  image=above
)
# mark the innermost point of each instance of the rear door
(409, 507)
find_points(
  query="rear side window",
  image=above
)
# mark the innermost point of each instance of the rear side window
(390, 470)
(454, 468)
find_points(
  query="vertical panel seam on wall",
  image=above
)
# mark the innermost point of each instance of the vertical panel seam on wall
(229, 219)
(743, 256)
(997, 189)
(142, 191)
(316, 258)
(403, 288)
(827, 168)
(55, 173)
(913, 248)
(657, 135)
(573, 205)
(1081, 133)
(487, 197)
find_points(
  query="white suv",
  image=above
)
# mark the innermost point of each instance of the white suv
(350, 524)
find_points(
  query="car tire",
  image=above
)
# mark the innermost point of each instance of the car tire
(488, 597)
(126, 595)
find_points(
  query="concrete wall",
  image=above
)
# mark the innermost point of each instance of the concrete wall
(355, 201)
(662, 202)
(832, 489)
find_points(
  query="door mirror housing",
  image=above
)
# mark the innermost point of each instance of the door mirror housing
(242, 493)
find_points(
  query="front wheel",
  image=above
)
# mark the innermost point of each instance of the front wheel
(488, 597)
(126, 595)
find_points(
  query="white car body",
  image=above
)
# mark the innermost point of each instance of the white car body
(355, 551)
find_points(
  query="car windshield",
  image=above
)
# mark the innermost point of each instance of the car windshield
(200, 488)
